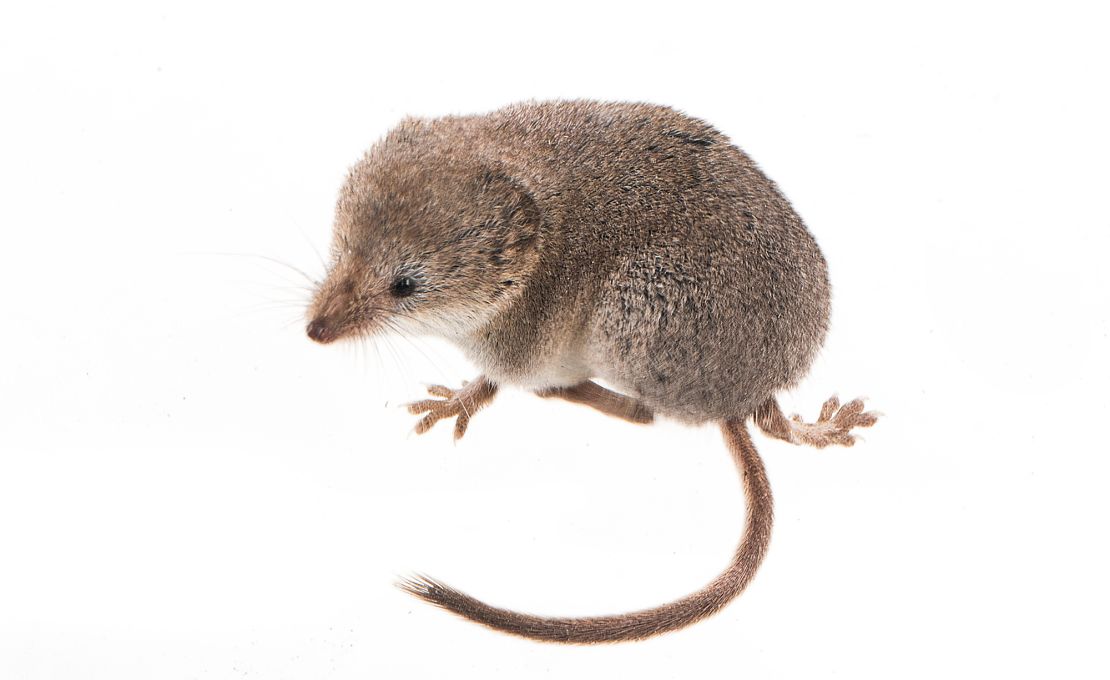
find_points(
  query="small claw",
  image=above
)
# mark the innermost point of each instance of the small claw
(828, 409)
(867, 419)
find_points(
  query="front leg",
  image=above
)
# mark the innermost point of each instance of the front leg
(607, 401)
(833, 426)
(462, 404)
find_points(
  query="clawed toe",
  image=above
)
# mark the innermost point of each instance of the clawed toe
(441, 391)
(828, 409)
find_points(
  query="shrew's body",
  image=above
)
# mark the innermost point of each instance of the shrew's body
(559, 242)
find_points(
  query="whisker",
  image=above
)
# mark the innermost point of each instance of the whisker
(319, 256)
(415, 345)
(275, 260)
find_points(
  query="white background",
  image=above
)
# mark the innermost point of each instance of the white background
(189, 488)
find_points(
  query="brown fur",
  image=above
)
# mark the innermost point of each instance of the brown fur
(563, 241)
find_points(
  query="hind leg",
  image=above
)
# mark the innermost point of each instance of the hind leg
(607, 401)
(833, 425)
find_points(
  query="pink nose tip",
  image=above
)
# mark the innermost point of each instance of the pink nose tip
(319, 331)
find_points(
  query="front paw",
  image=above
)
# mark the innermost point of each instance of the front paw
(459, 404)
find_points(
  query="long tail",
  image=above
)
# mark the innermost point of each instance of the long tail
(648, 622)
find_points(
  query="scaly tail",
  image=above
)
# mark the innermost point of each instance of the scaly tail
(648, 622)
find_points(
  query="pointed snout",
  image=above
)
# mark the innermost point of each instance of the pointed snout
(320, 331)
(338, 310)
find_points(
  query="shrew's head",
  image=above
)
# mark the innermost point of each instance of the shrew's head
(426, 238)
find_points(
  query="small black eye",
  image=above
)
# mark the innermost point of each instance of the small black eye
(403, 286)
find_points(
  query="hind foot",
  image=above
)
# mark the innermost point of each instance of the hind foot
(460, 404)
(833, 425)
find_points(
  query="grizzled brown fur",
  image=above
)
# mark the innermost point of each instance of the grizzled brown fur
(559, 242)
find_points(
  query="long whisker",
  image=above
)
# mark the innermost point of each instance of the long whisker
(379, 343)
(401, 333)
(303, 292)
(312, 245)
(275, 260)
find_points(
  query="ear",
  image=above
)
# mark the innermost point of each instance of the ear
(512, 213)
(507, 196)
